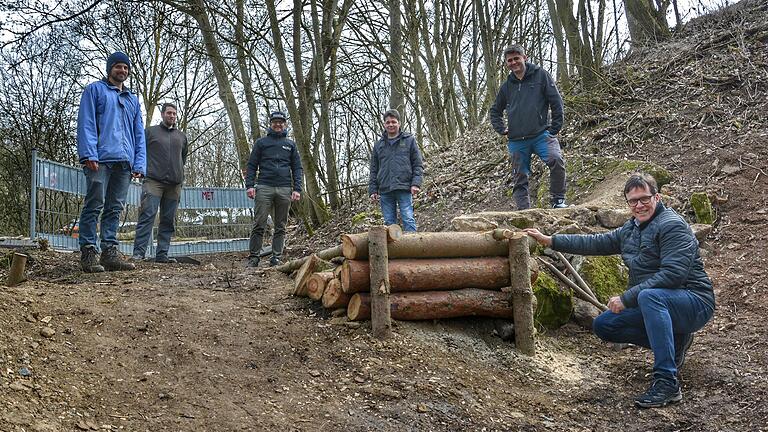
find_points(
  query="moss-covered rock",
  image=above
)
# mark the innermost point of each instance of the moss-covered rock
(606, 275)
(364, 217)
(702, 208)
(554, 304)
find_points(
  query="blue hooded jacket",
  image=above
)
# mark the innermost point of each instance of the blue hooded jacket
(110, 127)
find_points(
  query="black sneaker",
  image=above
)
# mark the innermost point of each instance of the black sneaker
(89, 260)
(253, 262)
(681, 350)
(274, 262)
(560, 203)
(165, 260)
(661, 393)
(112, 261)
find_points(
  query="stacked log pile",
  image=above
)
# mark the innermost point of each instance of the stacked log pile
(431, 276)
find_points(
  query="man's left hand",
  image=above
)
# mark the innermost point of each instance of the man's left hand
(415, 190)
(615, 305)
(295, 196)
(137, 175)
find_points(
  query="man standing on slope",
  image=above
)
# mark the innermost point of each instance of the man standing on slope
(395, 172)
(669, 294)
(111, 147)
(528, 95)
(277, 161)
(166, 156)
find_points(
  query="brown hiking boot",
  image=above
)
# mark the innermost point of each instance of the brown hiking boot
(112, 261)
(89, 260)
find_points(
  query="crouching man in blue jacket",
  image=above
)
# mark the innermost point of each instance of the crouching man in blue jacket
(669, 296)
(395, 172)
(111, 147)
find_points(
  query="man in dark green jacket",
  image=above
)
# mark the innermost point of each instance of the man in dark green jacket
(669, 296)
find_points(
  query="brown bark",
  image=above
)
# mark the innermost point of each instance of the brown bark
(16, 274)
(428, 305)
(381, 322)
(355, 246)
(325, 254)
(431, 274)
(334, 297)
(522, 294)
(316, 284)
(436, 245)
(305, 272)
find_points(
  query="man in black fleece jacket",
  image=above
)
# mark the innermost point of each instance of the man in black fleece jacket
(528, 95)
(277, 161)
(669, 296)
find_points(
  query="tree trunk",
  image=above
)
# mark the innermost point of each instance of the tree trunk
(646, 23)
(305, 272)
(396, 98)
(491, 273)
(245, 75)
(435, 245)
(317, 283)
(428, 305)
(16, 274)
(334, 297)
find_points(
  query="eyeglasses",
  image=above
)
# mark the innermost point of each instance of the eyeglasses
(643, 200)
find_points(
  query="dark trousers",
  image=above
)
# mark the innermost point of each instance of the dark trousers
(269, 198)
(154, 195)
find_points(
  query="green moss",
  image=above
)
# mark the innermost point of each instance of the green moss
(702, 208)
(359, 218)
(554, 304)
(606, 275)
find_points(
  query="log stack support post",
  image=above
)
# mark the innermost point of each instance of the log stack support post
(378, 257)
(522, 293)
(17, 275)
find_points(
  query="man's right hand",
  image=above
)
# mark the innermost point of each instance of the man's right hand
(251, 193)
(92, 165)
(374, 197)
(539, 237)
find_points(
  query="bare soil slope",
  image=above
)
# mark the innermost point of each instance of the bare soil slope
(217, 347)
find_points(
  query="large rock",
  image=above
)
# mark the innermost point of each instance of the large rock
(546, 220)
(702, 208)
(553, 303)
(612, 218)
(701, 231)
(473, 223)
(606, 275)
(584, 313)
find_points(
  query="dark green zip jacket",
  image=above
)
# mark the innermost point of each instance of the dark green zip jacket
(166, 154)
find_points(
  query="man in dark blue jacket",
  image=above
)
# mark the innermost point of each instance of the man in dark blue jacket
(669, 296)
(395, 172)
(277, 161)
(528, 95)
(111, 147)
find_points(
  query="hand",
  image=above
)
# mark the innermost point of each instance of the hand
(615, 305)
(415, 190)
(374, 197)
(251, 192)
(295, 196)
(92, 165)
(137, 175)
(538, 236)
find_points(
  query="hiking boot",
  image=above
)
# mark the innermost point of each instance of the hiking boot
(681, 350)
(112, 261)
(274, 261)
(165, 260)
(253, 262)
(661, 393)
(89, 260)
(136, 258)
(559, 203)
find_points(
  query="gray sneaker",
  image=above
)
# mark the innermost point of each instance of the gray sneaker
(274, 261)
(89, 260)
(253, 262)
(560, 203)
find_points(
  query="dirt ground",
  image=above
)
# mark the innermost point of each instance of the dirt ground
(219, 347)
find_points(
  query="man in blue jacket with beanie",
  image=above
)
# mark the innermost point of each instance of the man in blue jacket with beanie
(111, 148)
(528, 96)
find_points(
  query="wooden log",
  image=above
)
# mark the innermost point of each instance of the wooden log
(16, 274)
(325, 254)
(381, 321)
(356, 245)
(316, 284)
(334, 297)
(440, 245)
(583, 284)
(302, 277)
(522, 294)
(432, 274)
(426, 305)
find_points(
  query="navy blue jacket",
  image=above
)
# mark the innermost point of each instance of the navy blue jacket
(660, 253)
(527, 103)
(277, 161)
(395, 166)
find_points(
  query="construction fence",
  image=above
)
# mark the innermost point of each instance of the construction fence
(208, 220)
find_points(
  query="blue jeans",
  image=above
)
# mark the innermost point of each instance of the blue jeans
(155, 194)
(389, 203)
(106, 191)
(663, 317)
(546, 147)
